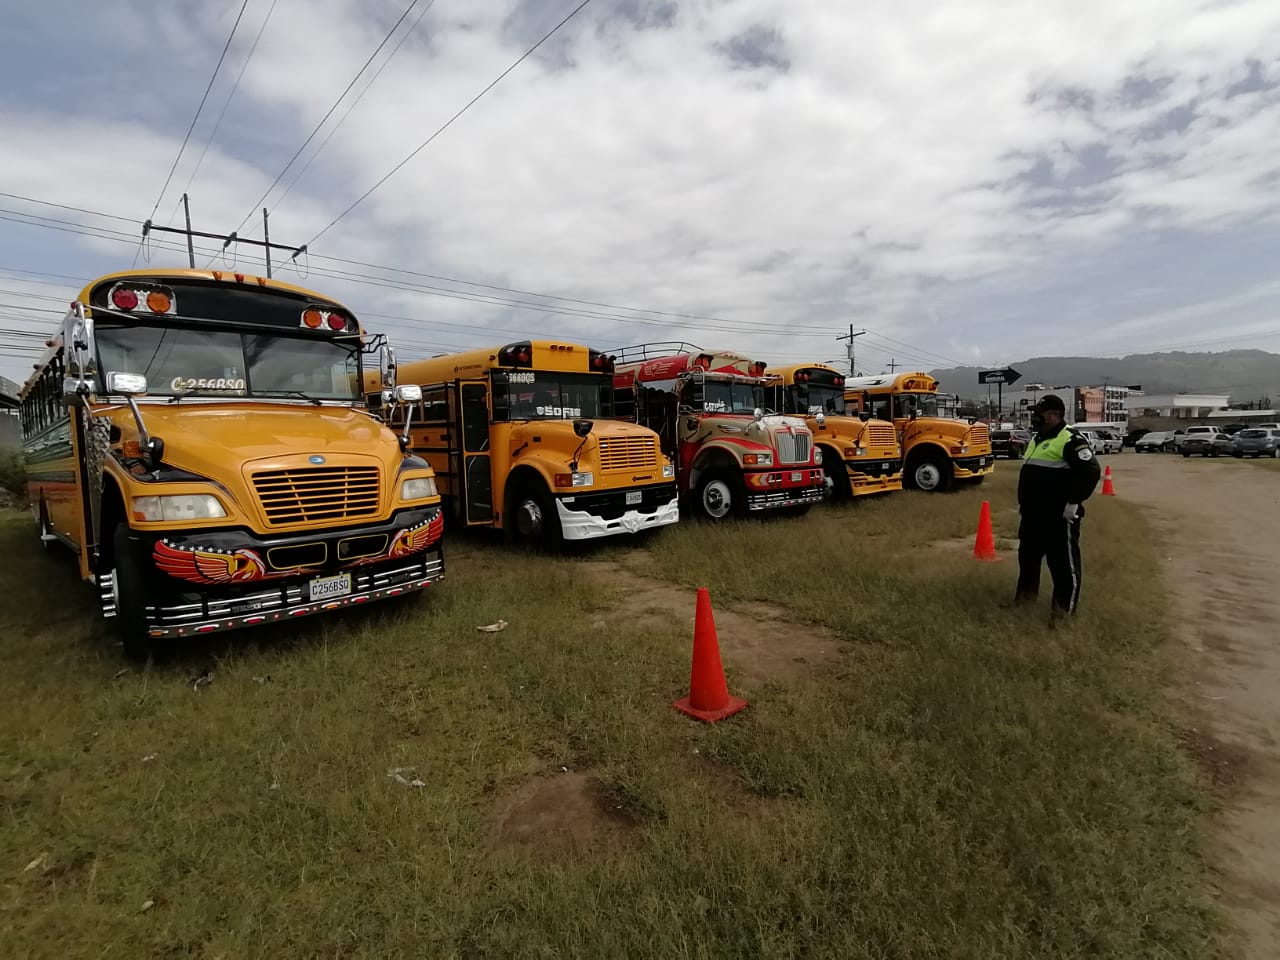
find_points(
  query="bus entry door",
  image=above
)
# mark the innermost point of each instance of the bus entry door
(474, 470)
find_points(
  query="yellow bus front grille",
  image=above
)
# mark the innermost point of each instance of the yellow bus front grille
(881, 435)
(317, 494)
(627, 453)
(978, 434)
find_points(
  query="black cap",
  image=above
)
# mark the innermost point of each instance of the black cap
(1051, 401)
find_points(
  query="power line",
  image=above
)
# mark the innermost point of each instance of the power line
(351, 106)
(63, 206)
(448, 123)
(325, 118)
(227, 103)
(200, 107)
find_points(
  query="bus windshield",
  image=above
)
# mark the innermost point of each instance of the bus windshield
(810, 398)
(181, 362)
(918, 404)
(730, 396)
(548, 395)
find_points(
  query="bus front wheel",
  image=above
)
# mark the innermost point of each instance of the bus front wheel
(836, 477)
(930, 472)
(532, 518)
(130, 593)
(720, 495)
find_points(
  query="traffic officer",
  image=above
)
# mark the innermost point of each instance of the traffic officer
(1059, 473)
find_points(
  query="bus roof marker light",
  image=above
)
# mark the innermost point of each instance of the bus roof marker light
(311, 318)
(337, 321)
(159, 302)
(124, 299)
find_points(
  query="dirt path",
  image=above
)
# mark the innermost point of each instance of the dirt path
(1219, 526)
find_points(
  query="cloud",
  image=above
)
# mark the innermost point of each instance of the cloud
(790, 167)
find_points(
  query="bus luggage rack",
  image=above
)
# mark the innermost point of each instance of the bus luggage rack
(654, 351)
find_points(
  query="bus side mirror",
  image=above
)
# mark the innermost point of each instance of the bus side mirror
(408, 394)
(126, 384)
(79, 353)
(387, 366)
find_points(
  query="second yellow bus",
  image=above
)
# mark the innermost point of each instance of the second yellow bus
(521, 440)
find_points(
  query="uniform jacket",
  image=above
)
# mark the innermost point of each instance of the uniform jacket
(1058, 468)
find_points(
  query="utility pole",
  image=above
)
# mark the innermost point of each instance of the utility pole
(266, 236)
(849, 347)
(191, 247)
(227, 238)
(893, 364)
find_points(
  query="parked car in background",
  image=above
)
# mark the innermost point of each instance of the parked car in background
(1010, 443)
(1196, 433)
(1155, 441)
(1256, 442)
(1267, 426)
(1133, 436)
(1101, 441)
(1205, 441)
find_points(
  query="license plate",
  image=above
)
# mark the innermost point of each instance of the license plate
(326, 588)
(982, 461)
(634, 497)
(797, 477)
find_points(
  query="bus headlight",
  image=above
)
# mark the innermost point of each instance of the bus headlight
(758, 459)
(187, 506)
(586, 479)
(668, 470)
(418, 488)
(817, 455)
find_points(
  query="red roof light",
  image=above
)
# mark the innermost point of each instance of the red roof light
(337, 321)
(124, 299)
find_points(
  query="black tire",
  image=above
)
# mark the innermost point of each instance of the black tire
(720, 495)
(1238, 456)
(532, 521)
(1186, 456)
(839, 486)
(930, 472)
(127, 575)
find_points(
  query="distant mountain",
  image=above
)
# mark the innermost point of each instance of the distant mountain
(1244, 375)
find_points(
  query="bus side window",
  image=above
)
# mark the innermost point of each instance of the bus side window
(882, 408)
(435, 406)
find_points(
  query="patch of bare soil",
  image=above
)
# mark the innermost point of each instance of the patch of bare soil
(758, 641)
(1219, 526)
(565, 813)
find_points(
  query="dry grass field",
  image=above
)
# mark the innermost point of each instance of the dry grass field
(921, 773)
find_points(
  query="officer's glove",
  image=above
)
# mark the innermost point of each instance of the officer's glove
(1070, 511)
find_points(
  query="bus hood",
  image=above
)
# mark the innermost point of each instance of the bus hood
(216, 440)
(556, 438)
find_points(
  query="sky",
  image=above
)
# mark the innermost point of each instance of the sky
(971, 183)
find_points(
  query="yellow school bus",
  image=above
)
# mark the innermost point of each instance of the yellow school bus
(199, 440)
(860, 455)
(936, 451)
(521, 440)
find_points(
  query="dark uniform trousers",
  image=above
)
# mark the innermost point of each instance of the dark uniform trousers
(1052, 538)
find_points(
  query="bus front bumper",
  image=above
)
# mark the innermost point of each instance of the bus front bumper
(210, 581)
(589, 516)
(780, 489)
(969, 467)
(868, 476)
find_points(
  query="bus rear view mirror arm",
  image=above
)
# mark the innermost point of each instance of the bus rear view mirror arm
(410, 394)
(131, 386)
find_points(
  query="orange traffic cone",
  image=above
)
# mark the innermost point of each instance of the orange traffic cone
(1107, 489)
(708, 697)
(984, 546)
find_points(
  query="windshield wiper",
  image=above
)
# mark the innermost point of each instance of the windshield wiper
(179, 396)
(303, 396)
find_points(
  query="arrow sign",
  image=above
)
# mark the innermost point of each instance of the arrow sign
(1007, 375)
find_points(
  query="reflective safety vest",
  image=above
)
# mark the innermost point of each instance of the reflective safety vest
(1051, 452)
